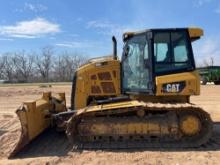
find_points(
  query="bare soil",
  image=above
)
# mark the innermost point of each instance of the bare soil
(53, 148)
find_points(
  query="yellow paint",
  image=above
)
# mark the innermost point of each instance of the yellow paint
(195, 33)
(192, 83)
(35, 116)
(111, 106)
(134, 127)
(190, 125)
(84, 81)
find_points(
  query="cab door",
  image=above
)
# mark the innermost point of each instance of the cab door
(137, 65)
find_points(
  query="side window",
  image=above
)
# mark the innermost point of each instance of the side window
(180, 47)
(161, 45)
(161, 50)
(171, 51)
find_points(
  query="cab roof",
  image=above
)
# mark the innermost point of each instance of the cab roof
(194, 32)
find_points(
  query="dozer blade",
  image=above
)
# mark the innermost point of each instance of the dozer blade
(35, 117)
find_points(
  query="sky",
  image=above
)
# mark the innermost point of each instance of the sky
(86, 26)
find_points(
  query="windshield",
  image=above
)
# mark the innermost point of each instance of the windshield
(135, 64)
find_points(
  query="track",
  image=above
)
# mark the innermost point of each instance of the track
(212, 144)
(79, 129)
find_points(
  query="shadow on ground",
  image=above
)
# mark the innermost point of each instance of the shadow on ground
(49, 143)
(52, 143)
(2, 132)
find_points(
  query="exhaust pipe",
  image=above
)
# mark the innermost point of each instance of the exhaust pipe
(114, 48)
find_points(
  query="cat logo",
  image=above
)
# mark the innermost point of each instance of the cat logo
(175, 87)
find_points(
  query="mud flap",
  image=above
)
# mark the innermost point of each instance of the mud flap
(35, 117)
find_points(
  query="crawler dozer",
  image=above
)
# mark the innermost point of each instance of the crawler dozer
(139, 101)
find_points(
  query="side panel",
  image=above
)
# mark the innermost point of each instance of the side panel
(187, 84)
(96, 80)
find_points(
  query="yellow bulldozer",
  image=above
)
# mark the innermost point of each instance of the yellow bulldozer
(139, 101)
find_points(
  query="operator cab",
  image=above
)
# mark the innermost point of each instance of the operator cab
(156, 52)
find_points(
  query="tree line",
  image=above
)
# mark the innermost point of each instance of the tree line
(46, 66)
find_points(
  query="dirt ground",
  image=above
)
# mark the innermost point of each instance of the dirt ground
(53, 148)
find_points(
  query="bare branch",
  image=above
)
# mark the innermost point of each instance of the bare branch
(44, 63)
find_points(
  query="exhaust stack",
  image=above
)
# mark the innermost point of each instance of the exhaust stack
(114, 48)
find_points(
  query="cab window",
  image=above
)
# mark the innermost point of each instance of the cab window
(171, 51)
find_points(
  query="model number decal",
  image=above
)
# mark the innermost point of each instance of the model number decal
(175, 87)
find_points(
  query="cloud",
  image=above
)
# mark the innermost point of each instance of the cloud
(100, 24)
(108, 28)
(30, 29)
(6, 39)
(70, 44)
(206, 50)
(199, 3)
(77, 44)
(35, 7)
(32, 7)
(74, 35)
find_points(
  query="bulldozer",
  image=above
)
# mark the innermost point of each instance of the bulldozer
(141, 100)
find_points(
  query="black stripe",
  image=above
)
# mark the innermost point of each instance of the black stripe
(73, 91)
